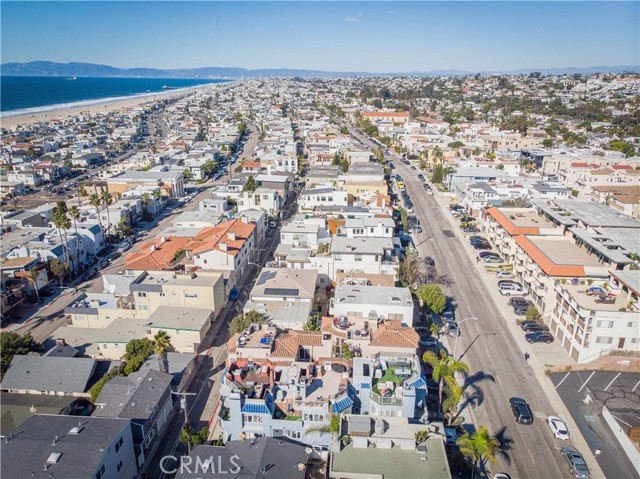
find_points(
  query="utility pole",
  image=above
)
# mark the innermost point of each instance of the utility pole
(183, 405)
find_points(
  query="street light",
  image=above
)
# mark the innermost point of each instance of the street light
(455, 347)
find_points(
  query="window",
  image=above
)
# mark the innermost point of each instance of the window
(358, 257)
(603, 323)
(314, 417)
(142, 294)
(143, 307)
(119, 443)
(604, 340)
(252, 418)
(632, 324)
(119, 466)
(190, 295)
(635, 340)
(162, 295)
(100, 472)
(337, 257)
(292, 434)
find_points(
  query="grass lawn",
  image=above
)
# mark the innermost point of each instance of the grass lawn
(388, 376)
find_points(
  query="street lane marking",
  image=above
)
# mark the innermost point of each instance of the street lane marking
(563, 380)
(531, 455)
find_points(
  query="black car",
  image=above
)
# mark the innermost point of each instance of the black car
(478, 241)
(426, 187)
(534, 327)
(539, 337)
(429, 261)
(518, 301)
(482, 246)
(421, 177)
(486, 253)
(520, 310)
(521, 411)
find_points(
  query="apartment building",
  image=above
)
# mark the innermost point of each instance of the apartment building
(265, 199)
(364, 255)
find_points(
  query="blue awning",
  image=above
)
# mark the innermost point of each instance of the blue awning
(342, 404)
(365, 386)
(266, 407)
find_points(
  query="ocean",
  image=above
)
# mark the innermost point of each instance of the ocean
(23, 95)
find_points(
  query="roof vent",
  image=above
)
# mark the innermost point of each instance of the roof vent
(54, 457)
(76, 430)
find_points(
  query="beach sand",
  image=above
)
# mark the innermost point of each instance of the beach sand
(107, 106)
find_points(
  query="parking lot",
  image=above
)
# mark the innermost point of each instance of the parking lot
(585, 393)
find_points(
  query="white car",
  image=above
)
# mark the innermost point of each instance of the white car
(558, 427)
(504, 275)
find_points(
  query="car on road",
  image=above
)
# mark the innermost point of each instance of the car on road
(234, 294)
(577, 465)
(420, 176)
(504, 275)
(272, 224)
(521, 411)
(595, 290)
(452, 328)
(558, 427)
(413, 167)
(534, 327)
(539, 337)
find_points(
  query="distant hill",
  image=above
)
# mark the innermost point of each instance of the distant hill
(45, 68)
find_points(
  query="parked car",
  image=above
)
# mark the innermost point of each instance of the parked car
(539, 337)
(534, 327)
(518, 301)
(493, 259)
(429, 261)
(595, 290)
(471, 229)
(272, 224)
(421, 177)
(452, 328)
(511, 289)
(504, 275)
(428, 342)
(521, 411)
(577, 465)
(482, 246)
(520, 310)
(234, 294)
(558, 427)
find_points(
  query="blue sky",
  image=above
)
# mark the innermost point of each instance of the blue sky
(332, 36)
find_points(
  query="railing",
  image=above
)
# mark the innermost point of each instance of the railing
(390, 401)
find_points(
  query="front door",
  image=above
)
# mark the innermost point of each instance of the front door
(621, 343)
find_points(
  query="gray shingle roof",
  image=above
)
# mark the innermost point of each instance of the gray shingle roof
(27, 451)
(49, 373)
(134, 396)
(278, 457)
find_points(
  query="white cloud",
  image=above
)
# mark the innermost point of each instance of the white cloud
(354, 19)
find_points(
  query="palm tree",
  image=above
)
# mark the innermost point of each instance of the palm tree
(95, 201)
(146, 201)
(107, 199)
(157, 196)
(453, 391)
(33, 280)
(74, 212)
(332, 428)
(479, 446)
(444, 366)
(161, 344)
(62, 222)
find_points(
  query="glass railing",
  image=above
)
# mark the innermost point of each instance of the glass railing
(387, 401)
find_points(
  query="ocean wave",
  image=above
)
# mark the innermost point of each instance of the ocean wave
(98, 101)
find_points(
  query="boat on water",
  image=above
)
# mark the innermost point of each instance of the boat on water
(71, 78)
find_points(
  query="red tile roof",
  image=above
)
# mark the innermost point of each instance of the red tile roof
(394, 114)
(393, 334)
(156, 255)
(545, 263)
(508, 226)
(210, 238)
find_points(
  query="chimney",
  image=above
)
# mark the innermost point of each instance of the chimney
(223, 246)
(245, 220)
(162, 239)
(231, 235)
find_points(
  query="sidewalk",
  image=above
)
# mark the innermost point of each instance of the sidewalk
(540, 354)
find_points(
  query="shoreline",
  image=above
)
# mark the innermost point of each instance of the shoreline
(104, 105)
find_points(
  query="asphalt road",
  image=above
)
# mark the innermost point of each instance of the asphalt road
(498, 370)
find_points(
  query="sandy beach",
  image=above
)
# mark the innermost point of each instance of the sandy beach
(99, 106)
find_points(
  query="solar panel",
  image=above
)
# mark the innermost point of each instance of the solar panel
(266, 276)
(281, 292)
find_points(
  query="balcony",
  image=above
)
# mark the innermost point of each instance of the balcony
(386, 401)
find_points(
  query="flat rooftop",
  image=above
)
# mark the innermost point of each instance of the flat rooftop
(372, 295)
(578, 292)
(394, 463)
(322, 388)
(562, 250)
(525, 218)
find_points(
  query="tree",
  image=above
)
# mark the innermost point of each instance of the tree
(11, 344)
(190, 437)
(74, 212)
(311, 324)
(344, 165)
(209, 167)
(444, 366)
(623, 147)
(107, 199)
(455, 144)
(58, 269)
(96, 201)
(479, 447)
(432, 296)
(161, 344)
(437, 175)
(33, 280)
(453, 393)
(404, 220)
(344, 130)
(532, 313)
(336, 159)
(547, 142)
(250, 185)
(243, 320)
(63, 223)
(187, 174)
(410, 271)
